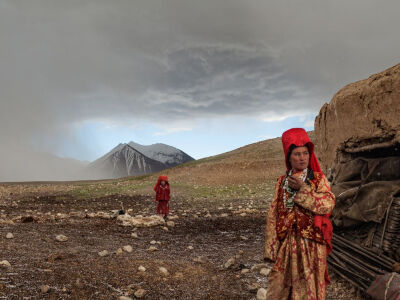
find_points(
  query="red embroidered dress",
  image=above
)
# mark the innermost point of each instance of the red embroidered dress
(298, 238)
(162, 196)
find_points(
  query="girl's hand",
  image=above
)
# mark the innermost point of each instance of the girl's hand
(295, 183)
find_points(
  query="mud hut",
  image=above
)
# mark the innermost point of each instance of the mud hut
(358, 143)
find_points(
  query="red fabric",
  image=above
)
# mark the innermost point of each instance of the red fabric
(299, 138)
(162, 193)
(163, 207)
(160, 178)
(300, 218)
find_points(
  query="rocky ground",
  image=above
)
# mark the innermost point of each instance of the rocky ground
(68, 241)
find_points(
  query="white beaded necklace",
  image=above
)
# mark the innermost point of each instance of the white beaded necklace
(288, 202)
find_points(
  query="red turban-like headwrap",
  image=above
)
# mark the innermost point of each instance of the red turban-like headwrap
(160, 178)
(299, 138)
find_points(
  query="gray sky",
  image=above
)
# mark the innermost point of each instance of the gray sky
(170, 63)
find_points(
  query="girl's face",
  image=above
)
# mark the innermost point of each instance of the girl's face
(162, 182)
(299, 158)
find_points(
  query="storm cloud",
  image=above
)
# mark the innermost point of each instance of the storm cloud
(68, 62)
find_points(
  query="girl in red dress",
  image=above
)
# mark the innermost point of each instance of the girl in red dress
(162, 195)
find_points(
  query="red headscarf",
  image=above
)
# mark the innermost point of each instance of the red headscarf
(299, 138)
(160, 178)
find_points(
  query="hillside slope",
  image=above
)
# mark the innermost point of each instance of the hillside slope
(254, 163)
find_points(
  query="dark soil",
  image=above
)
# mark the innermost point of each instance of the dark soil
(74, 270)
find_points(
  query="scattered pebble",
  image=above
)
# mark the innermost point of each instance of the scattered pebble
(262, 294)
(119, 251)
(103, 253)
(229, 263)
(152, 248)
(5, 264)
(140, 293)
(170, 223)
(9, 235)
(134, 235)
(190, 247)
(259, 267)
(244, 271)
(165, 228)
(44, 289)
(265, 271)
(244, 238)
(163, 271)
(153, 242)
(224, 215)
(124, 298)
(142, 269)
(128, 248)
(61, 238)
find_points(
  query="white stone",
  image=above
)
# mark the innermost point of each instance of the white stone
(61, 238)
(265, 271)
(170, 223)
(229, 263)
(190, 247)
(142, 269)
(262, 294)
(244, 271)
(119, 251)
(134, 235)
(124, 298)
(44, 289)
(140, 293)
(103, 253)
(163, 271)
(153, 242)
(153, 248)
(5, 264)
(127, 248)
(165, 228)
(140, 221)
(258, 267)
(9, 235)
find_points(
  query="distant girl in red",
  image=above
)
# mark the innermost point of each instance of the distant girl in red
(162, 195)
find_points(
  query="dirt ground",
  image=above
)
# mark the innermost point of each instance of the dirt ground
(193, 251)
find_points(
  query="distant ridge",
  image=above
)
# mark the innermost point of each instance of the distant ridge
(133, 159)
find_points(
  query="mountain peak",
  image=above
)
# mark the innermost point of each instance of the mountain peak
(129, 159)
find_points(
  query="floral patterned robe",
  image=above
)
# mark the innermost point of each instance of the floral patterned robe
(295, 245)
